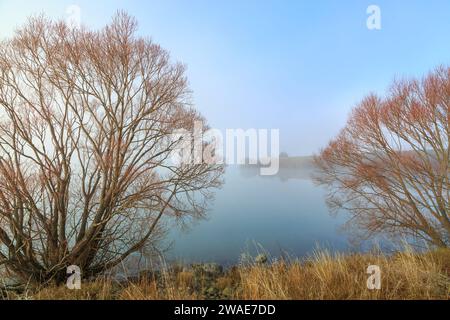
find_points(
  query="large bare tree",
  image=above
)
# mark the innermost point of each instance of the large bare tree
(389, 167)
(86, 123)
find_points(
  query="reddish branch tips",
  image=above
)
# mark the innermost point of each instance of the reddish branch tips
(86, 121)
(390, 165)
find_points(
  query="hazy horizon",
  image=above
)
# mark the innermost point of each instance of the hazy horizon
(296, 66)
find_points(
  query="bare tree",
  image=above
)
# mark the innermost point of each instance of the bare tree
(389, 167)
(86, 122)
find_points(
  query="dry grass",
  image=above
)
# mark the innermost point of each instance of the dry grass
(405, 275)
(96, 290)
(176, 286)
(167, 287)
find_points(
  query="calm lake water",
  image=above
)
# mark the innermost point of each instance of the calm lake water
(282, 213)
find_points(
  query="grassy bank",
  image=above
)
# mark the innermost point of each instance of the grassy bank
(404, 275)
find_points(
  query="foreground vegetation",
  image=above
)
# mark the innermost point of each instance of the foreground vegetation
(404, 275)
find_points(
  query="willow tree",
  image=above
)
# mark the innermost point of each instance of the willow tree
(86, 123)
(389, 167)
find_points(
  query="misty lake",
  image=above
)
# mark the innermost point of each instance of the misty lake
(285, 214)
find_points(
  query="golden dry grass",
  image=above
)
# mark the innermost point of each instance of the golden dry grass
(404, 275)
(323, 276)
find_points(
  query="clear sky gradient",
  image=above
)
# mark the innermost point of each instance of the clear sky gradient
(299, 66)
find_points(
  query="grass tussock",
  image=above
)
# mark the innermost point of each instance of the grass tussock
(324, 276)
(404, 275)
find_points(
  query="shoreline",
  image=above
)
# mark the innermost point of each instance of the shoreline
(404, 275)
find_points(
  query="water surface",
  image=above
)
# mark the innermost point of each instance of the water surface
(285, 213)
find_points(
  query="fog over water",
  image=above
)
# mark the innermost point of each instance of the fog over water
(285, 214)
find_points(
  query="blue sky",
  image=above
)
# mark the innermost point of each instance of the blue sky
(299, 66)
